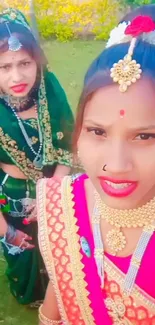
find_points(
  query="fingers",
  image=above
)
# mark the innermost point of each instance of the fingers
(32, 219)
(27, 238)
(29, 246)
(24, 244)
(27, 221)
(30, 208)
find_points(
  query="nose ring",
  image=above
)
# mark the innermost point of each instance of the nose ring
(104, 168)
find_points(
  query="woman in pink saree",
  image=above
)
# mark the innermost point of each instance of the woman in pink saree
(97, 230)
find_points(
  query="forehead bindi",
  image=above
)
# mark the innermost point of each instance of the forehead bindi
(136, 106)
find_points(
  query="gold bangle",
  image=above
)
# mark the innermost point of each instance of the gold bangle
(47, 321)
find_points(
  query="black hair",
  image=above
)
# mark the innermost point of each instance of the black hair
(26, 38)
(144, 53)
(98, 74)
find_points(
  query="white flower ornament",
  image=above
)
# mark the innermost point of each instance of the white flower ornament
(118, 36)
(127, 71)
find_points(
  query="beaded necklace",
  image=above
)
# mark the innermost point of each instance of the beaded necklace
(38, 157)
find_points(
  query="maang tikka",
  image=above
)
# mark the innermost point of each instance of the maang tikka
(127, 71)
(13, 42)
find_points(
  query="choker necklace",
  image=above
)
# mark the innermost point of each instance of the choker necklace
(132, 218)
(21, 104)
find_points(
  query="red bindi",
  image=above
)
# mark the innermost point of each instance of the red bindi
(122, 113)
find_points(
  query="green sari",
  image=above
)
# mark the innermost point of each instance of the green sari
(25, 271)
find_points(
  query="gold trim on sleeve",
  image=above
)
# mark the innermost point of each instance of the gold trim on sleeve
(73, 240)
(44, 244)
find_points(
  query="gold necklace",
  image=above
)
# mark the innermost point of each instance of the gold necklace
(132, 218)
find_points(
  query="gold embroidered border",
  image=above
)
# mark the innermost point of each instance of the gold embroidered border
(62, 156)
(44, 119)
(44, 244)
(137, 292)
(74, 252)
(19, 157)
(50, 154)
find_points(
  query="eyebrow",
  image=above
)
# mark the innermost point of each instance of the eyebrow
(9, 63)
(138, 128)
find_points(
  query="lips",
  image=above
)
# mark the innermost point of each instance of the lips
(19, 88)
(117, 188)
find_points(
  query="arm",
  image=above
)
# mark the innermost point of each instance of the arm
(13, 236)
(62, 170)
(3, 225)
(49, 309)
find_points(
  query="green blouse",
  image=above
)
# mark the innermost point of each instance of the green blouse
(13, 147)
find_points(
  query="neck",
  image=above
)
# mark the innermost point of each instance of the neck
(21, 103)
(18, 103)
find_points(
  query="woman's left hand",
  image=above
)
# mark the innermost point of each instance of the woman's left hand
(32, 211)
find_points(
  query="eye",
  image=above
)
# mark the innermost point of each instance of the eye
(26, 63)
(96, 131)
(145, 136)
(5, 67)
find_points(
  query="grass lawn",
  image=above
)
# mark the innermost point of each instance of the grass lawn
(69, 61)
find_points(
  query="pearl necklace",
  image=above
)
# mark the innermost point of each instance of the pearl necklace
(131, 218)
(38, 157)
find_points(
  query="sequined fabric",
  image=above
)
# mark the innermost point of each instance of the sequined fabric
(56, 229)
(59, 246)
(126, 310)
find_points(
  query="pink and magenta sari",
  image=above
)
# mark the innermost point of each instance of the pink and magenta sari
(63, 220)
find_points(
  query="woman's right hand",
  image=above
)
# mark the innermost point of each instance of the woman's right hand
(22, 240)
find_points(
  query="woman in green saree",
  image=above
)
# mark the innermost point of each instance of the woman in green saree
(36, 124)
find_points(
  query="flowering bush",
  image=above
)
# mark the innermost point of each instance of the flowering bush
(67, 19)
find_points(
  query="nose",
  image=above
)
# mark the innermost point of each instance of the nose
(16, 75)
(118, 158)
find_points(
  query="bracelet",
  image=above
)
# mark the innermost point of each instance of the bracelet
(47, 321)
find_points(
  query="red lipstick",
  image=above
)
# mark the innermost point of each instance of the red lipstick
(117, 188)
(19, 88)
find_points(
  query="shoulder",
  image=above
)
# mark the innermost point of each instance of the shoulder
(47, 188)
(52, 84)
(60, 186)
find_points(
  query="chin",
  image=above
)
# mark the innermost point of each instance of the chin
(120, 203)
(20, 95)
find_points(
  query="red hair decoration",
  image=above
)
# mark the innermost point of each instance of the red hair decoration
(139, 25)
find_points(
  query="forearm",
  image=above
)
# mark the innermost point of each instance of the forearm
(49, 312)
(62, 170)
(3, 225)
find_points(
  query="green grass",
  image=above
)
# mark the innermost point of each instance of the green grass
(69, 61)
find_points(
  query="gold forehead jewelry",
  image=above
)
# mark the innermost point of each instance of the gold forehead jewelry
(126, 71)
(132, 218)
